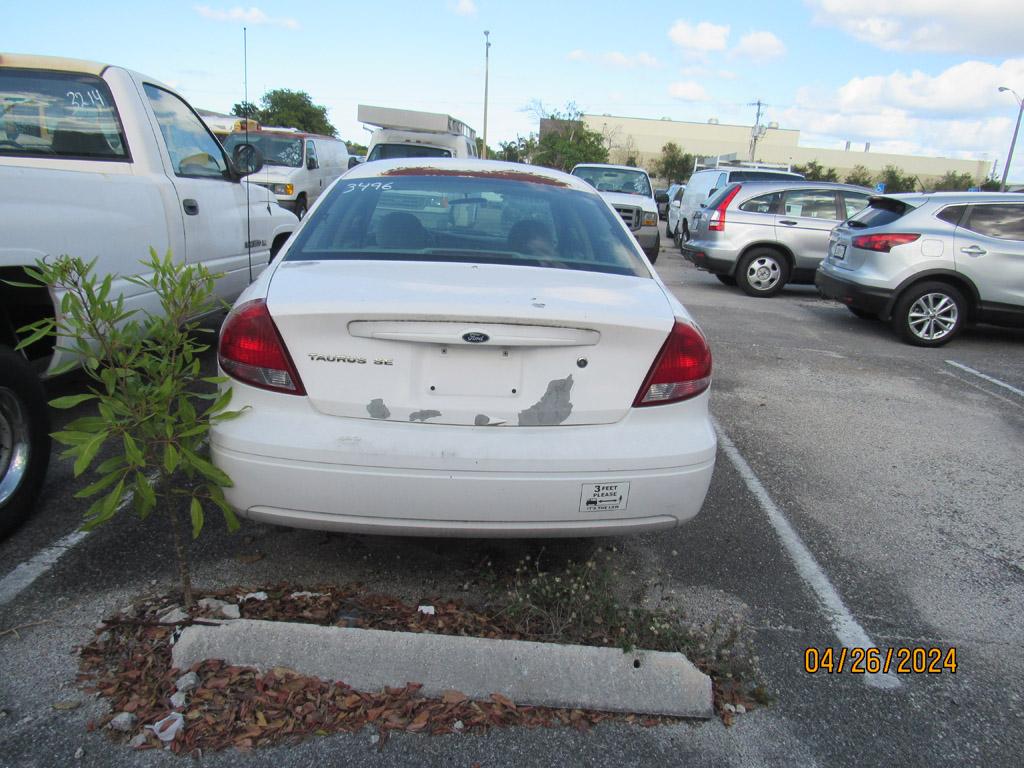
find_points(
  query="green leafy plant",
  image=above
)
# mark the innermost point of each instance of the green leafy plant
(148, 393)
(674, 165)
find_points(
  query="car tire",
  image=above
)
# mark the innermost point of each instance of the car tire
(652, 255)
(762, 272)
(301, 207)
(24, 439)
(726, 279)
(863, 314)
(929, 314)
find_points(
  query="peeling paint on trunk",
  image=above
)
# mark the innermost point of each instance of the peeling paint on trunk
(553, 408)
(377, 409)
(481, 420)
(423, 415)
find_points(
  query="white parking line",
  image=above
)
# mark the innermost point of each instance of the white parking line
(980, 375)
(846, 628)
(18, 580)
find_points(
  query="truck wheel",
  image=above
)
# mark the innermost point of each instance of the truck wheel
(762, 272)
(24, 439)
(929, 314)
(652, 255)
(301, 207)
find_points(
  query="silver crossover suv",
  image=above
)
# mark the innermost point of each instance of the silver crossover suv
(764, 234)
(930, 262)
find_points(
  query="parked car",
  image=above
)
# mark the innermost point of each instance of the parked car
(465, 348)
(672, 229)
(297, 166)
(705, 182)
(762, 235)
(104, 163)
(661, 198)
(628, 190)
(929, 263)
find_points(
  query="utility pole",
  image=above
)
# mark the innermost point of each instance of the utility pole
(757, 131)
(487, 68)
(1013, 141)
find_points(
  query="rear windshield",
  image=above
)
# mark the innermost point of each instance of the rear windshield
(277, 150)
(615, 180)
(58, 114)
(880, 211)
(396, 151)
(468, 219)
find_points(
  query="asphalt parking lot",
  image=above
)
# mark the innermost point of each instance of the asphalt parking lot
(852, 468)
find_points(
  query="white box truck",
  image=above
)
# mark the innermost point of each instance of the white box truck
(408, 133)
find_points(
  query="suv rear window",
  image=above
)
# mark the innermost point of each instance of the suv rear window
(470, 219)
(880, 211)
(62, 114)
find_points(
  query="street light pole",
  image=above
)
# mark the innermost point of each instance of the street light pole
(1013, 141)
(487, 68)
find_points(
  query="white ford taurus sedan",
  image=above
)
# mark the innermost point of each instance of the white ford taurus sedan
(465, 348)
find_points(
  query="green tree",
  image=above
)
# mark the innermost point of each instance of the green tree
(814, 171)
(952, 181)
(569, 141)
(294, 109)
(519, 151)
(356, 149)
(674, 165)
(896, 180)
(860, 176)
(148, 391)
(246, 109)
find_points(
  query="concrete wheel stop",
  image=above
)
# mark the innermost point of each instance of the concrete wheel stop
(538, 674)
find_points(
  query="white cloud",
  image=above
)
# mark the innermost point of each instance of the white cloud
(251, 15)
(688, 91)
(968, 88)
(699, 38)
(759, 47)
(981, 27)
(464, 7)
(616, 59)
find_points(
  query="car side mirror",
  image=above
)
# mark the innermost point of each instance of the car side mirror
(353, 161)
(311, 163)
(661, 197)
(246, 159)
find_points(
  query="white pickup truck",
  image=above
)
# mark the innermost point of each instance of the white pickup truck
(104, 163)
(628, 190)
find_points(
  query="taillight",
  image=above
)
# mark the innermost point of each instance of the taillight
(681, 370)
(251, 350)
(884, 242)
(716, 222)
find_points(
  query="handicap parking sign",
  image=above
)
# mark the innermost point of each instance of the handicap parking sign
(880, 187)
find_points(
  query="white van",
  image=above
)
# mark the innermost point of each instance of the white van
(297, 166)
(407, 133)
(705, 182)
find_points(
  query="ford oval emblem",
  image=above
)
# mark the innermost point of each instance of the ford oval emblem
(475, 337)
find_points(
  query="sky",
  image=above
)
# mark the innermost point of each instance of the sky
(908, 76)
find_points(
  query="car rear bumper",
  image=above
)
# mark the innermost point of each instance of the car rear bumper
(300, 468)
(864, 297)
(709, 259)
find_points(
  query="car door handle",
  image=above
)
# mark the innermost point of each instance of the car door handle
(788, 222)
(974, 250)
(191, 206)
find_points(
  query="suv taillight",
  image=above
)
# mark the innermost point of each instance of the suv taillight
(716, 222)
(681, 370)
(884, 242)
(252, 351)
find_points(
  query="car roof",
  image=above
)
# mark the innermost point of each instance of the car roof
(919, 198)
(609, 165)
(468, 167)
(772, 184)
(54, 63)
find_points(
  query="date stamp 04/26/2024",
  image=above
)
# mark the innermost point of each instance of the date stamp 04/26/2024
(903, 660)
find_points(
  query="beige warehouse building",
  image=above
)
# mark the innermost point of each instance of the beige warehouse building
(643, 138)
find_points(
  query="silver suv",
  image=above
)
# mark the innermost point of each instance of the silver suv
(764, 234)
(931, 262)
